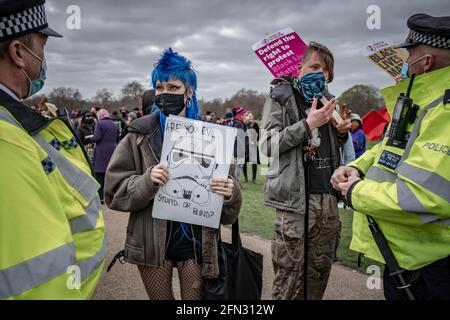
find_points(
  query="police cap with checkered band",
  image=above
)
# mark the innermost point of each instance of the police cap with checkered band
(22, 17)
(428, 30)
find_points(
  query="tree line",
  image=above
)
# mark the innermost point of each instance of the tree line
(72, 99)
(360, 98)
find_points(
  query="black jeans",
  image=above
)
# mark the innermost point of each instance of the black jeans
(101, 179)
(254, 170)
(432, 282)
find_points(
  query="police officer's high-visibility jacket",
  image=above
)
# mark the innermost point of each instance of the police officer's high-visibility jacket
(52, 237)
(408, 191)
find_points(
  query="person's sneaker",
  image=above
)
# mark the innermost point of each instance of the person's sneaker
(254, 181)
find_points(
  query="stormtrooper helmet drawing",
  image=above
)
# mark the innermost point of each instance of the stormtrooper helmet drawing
(191, 164)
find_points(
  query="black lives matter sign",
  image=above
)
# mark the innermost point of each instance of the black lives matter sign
(387, 58)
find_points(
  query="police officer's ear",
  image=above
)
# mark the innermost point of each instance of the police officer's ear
(428, 60)
(17, 55)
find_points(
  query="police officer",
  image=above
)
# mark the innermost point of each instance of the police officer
(405, 187)
(52, 238)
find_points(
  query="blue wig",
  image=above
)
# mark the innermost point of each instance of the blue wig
(172, 66)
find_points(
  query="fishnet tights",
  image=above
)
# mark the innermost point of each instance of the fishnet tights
(158, 281)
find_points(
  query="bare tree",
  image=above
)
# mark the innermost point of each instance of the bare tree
(249, 99)
(104, 97)
(133, 89)
(362, 98)
(69, 98)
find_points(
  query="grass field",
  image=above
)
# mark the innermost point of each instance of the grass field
(257, 219)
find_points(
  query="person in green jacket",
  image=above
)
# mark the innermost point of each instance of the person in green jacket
(405, 188)
(293, 118)
(52, 237)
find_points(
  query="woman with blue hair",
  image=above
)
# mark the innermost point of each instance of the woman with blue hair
(134, 176)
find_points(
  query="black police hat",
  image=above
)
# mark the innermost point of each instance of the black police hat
(22, 17)
(428, 30)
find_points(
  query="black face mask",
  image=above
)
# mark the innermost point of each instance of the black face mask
(88, 121)
(170, 103)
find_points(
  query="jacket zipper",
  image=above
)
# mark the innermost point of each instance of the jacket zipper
(194, 240)
(145, 237)
(151, 149)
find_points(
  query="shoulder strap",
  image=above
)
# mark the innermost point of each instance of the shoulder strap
(119, 256)
(235, 235)
(281, 91)
(446, 96)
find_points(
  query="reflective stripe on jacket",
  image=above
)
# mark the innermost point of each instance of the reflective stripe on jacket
(408, 191)
(52, 237)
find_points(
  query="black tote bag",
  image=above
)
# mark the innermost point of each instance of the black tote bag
(240, 272)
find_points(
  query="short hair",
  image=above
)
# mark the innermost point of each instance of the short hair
(325, 54)
(148, 98)
(4, 46)
(442, 56)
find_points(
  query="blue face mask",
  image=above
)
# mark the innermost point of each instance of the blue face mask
(404, 71)
(311, 85)
(38, 84)
(406, 65)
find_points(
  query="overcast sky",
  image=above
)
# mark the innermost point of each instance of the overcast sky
(119, 41)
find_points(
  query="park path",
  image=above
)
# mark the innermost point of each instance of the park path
(123, 281)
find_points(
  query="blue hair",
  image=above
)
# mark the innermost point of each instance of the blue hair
(172, 66)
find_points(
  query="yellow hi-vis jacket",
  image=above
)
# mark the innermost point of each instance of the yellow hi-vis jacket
(52, 237)
(408, 191)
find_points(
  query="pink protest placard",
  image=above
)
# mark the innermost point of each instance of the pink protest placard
(281, 52)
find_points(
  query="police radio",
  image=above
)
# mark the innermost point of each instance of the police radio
(405, 113)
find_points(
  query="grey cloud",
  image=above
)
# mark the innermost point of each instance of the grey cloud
(120, 40)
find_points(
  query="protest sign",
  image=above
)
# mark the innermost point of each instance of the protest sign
(281, 52)
(195, 152)
(387, 58)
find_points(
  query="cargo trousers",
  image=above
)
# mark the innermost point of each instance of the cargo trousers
(288, 248)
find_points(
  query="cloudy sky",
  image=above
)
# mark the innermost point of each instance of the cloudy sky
(119, 41)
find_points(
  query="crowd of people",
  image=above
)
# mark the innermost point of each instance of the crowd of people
(100, 137)
(51, 216)
(246, 148)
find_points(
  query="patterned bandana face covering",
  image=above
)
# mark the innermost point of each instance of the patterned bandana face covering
(310, 85)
